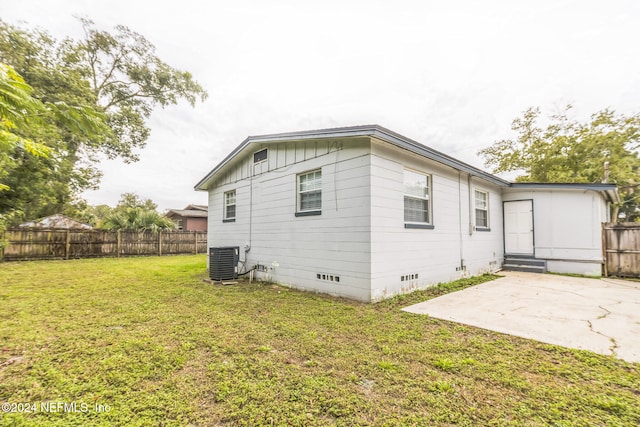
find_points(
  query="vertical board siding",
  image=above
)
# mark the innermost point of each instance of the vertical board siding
(31, 244)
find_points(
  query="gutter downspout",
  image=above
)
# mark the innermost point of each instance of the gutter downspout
(460, 220)
(471, 227)
(247, 247)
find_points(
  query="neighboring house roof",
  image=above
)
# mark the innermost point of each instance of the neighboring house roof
(197, 207)
(57, 221)
(191, 213)
(610, 190)
(367, 130)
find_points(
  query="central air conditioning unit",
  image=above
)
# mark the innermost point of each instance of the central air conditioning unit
(223, 263)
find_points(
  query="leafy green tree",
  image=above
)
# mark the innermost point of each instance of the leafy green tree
(137, 219)
(23, 122)
(17, 107)
(135, 214)
(565, 150)
(116, 76)
(629, 210)
(132, 200)
(132, 213)
(128, 80)
(84, 212)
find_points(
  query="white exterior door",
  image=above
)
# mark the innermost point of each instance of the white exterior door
(518, 227)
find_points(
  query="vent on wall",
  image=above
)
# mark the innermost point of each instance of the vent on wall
(328, 277)
(223, 262)
(260, 156)
(408, 277)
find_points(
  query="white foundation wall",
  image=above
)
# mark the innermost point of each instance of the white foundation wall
(327, 253)
(451, 250)
(567, 228)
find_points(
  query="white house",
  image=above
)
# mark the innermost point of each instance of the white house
(366, 213)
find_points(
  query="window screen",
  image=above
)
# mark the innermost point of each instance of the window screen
(310, 191)
(417, 197)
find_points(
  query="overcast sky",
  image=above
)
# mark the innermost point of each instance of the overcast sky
(449, 74)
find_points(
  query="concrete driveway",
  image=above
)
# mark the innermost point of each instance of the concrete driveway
(591, 314)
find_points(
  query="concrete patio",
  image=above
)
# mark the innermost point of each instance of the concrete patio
(600, 315)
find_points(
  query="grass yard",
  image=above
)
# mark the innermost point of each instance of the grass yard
(144, 341)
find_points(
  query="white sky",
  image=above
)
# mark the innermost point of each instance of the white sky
(449, 74)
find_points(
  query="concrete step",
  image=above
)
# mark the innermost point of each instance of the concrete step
(525, 261)
(525, 268)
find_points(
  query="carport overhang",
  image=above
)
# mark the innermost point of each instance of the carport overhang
(608, 191)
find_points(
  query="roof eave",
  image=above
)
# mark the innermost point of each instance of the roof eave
(353, 131)
(437, 156)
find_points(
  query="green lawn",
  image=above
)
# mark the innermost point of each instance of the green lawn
(152, 344)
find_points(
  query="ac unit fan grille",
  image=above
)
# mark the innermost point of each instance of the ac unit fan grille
(223, 263)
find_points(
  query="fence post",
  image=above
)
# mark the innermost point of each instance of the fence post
(67, 246)
(160, 242)
(118, 243)
(195, 239)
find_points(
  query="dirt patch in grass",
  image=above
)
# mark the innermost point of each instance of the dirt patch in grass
(150, 340)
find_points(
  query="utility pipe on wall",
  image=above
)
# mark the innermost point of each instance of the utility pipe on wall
(471, 228)
(460, 219)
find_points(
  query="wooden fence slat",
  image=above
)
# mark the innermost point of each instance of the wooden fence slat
(33, 243)
(621, 249)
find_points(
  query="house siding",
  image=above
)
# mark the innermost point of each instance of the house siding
(294, 250)
(435, 255)
(195, 224)
(360, 236)
(567, 228)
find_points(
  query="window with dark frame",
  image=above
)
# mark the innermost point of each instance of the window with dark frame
(260, 156)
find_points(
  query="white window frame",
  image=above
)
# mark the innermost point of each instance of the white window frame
(478, 208)
(179, 224)
(226, 204)
(299, 192)
(428, 198)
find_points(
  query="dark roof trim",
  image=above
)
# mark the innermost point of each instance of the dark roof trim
(352, 131)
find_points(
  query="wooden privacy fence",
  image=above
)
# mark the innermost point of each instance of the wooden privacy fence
(621, 245)
(34, 243)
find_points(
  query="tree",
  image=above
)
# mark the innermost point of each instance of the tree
(132, 200)
(17, 107)
(569, 151)
(118, 76)
(137, 219)
(23, 121)
(129, 81)
(134, 214)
